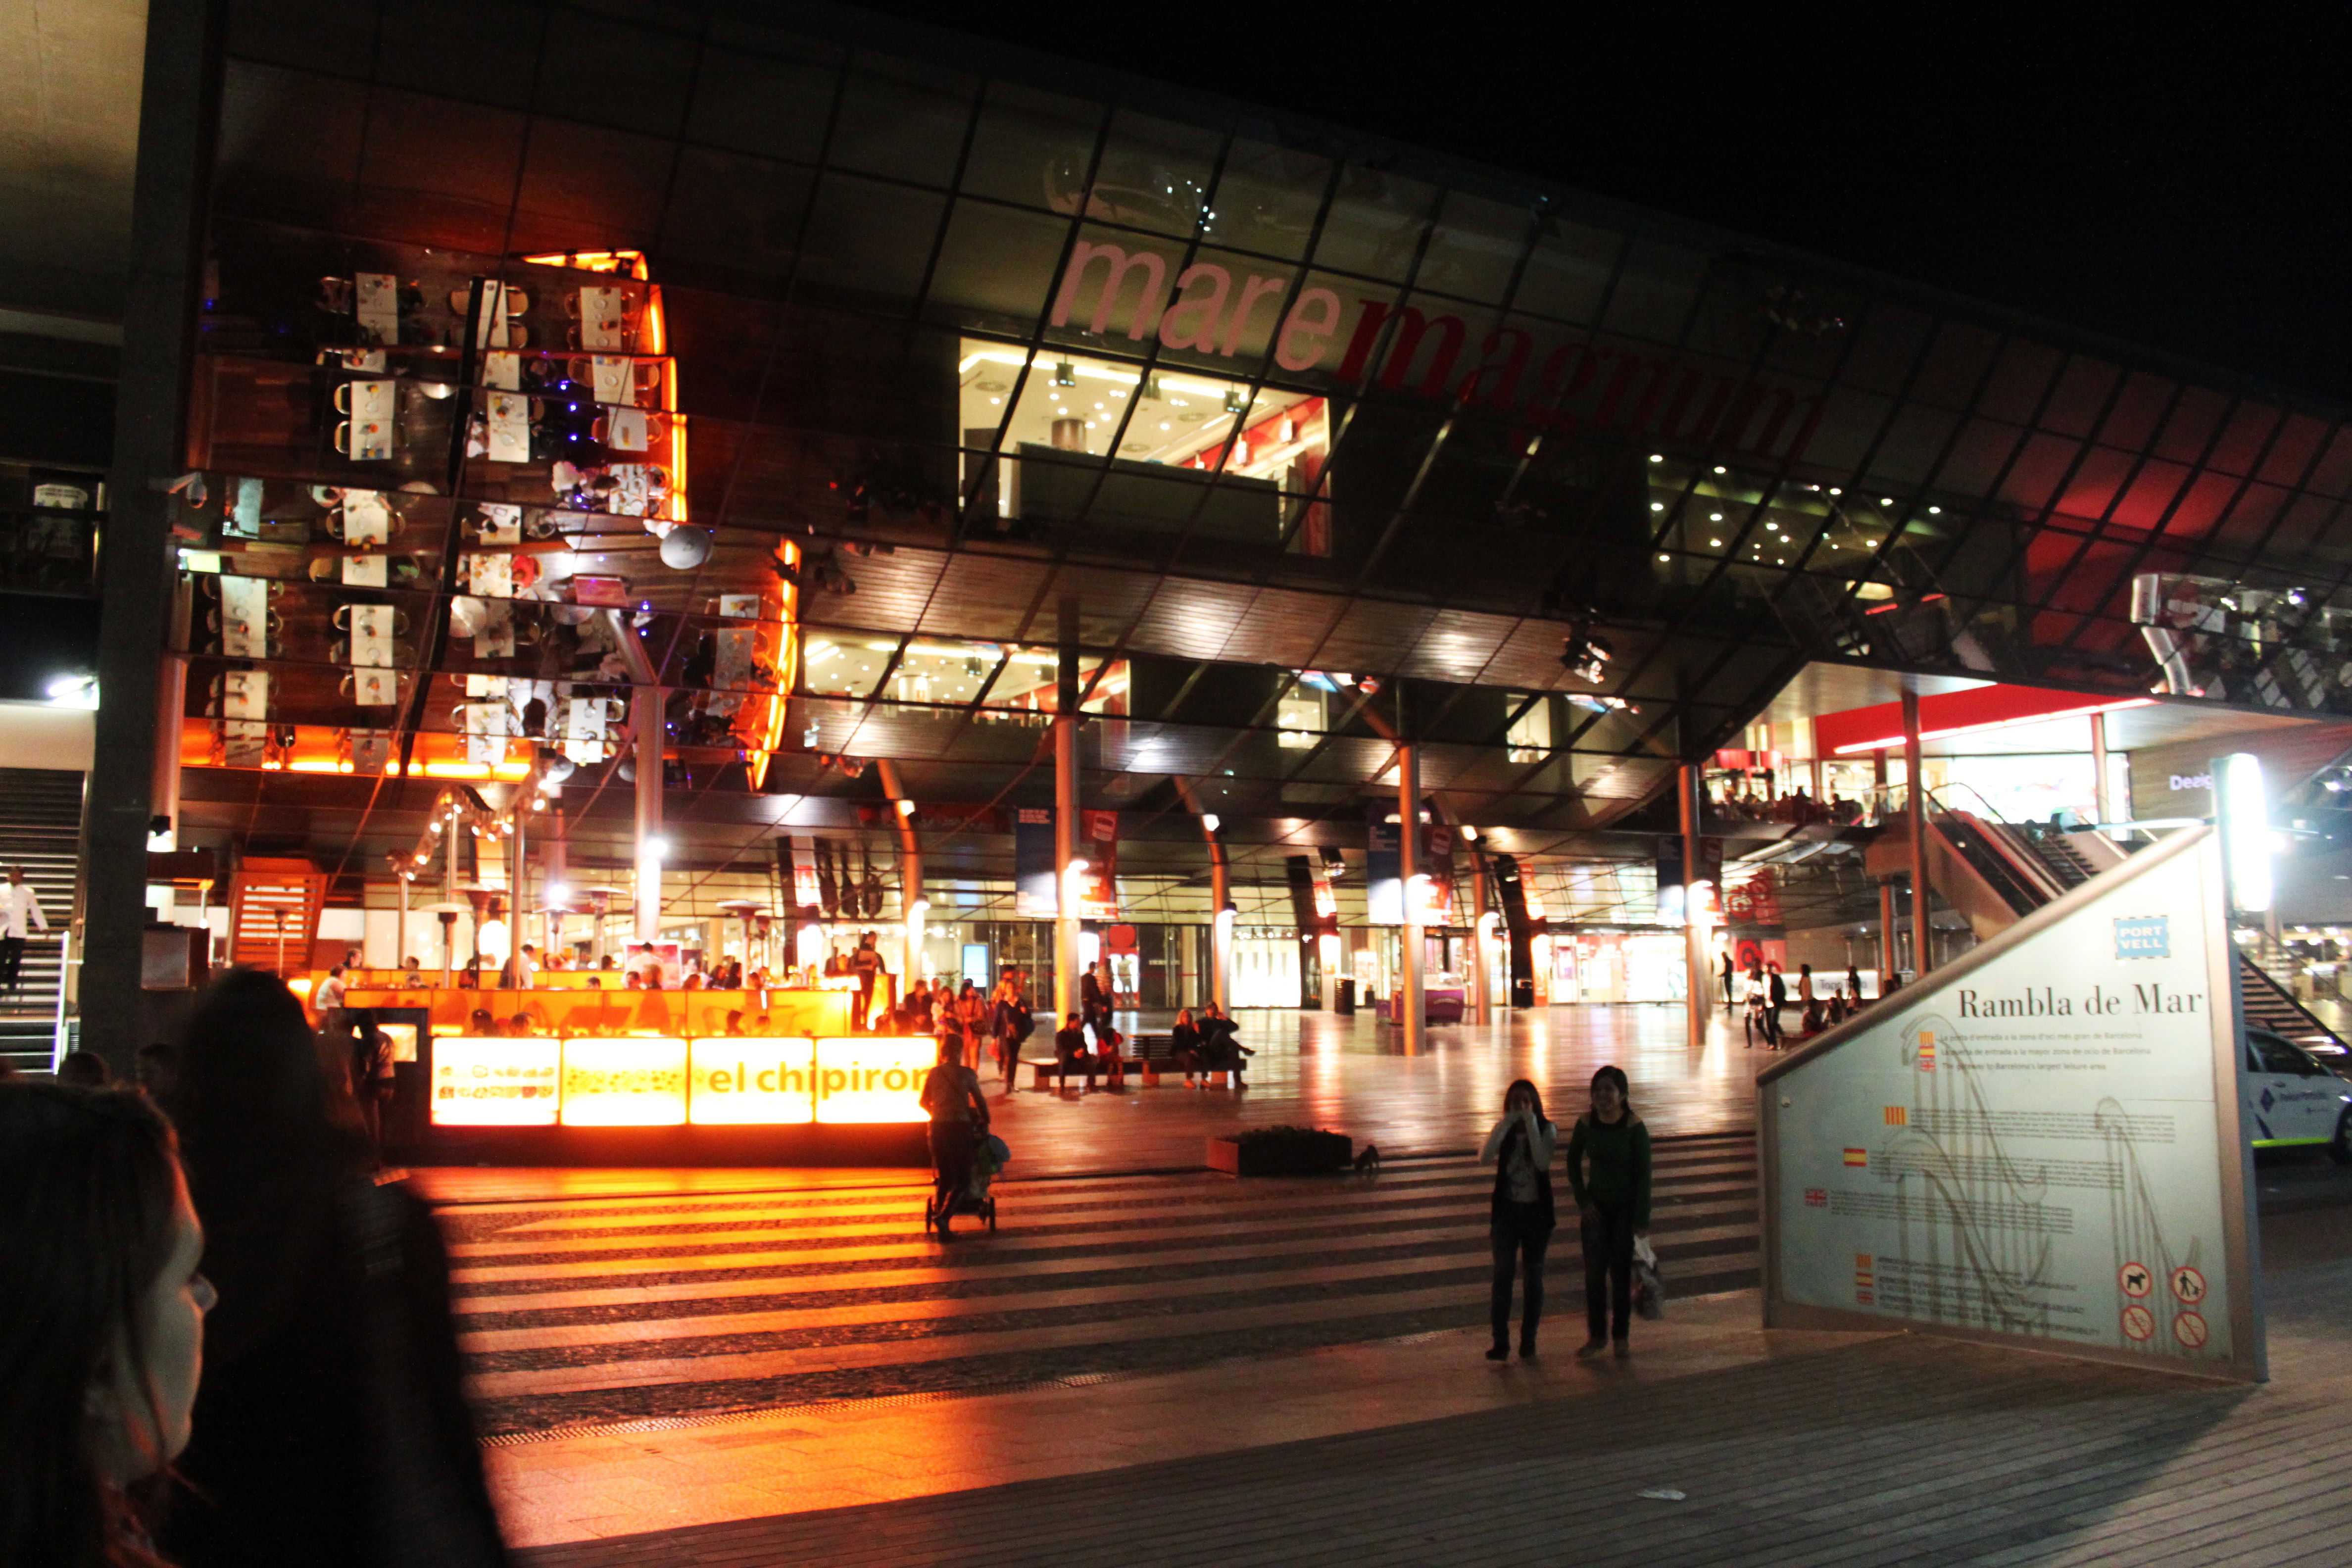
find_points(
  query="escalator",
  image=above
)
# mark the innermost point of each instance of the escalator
(2070, 859)
(1994, 873)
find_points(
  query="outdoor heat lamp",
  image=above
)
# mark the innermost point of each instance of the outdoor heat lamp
(2244, 818)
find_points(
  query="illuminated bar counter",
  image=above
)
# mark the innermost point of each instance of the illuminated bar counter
(643, 1078)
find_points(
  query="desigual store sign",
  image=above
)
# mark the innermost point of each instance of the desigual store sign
(654, 1083)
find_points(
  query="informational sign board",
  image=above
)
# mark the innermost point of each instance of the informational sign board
(2039, 1144)
(1035, 895)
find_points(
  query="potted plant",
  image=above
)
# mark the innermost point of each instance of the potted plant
(1280, 1151)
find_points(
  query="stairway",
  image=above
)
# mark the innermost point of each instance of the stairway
(40, 829)
(273, 914)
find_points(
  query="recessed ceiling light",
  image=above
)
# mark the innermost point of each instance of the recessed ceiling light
(1719, 469)
(1658, 505)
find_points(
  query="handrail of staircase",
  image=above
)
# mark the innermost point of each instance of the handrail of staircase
(2285, 995)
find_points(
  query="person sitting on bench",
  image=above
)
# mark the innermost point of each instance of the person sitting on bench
(1070, 1049)
(1184, 1045)
(1108, 1044)
(1220, 1049)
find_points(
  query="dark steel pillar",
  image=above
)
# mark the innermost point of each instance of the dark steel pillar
(136, 565)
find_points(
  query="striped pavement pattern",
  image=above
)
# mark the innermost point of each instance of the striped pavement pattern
(601, 1312)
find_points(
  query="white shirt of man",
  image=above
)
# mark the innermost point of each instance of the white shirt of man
(20, 901)
(526, 971)
(330, 994)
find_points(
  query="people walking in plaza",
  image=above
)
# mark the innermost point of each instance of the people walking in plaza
(974, 1011)
(1520, 1216)
(1729, 972)
(101, 1324)
(1014, 1024)
(1777, 997)
(18, 904)
(331, 1426)
(866, 964)
(1808, 1004)
(1609, 1171)
(958, 1113)
(1762, 1023)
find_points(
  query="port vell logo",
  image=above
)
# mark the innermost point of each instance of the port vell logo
(1561, 388)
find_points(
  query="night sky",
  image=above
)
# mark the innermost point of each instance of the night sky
(2185, 189)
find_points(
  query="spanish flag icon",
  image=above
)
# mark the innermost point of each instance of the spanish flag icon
(1857, 1157)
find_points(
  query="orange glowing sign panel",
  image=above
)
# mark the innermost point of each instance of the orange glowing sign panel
(493, 1083)
(873, 1077)
(628, 1082)
(738, 1081)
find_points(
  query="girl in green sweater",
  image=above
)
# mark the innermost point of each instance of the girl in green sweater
(1613, 1200)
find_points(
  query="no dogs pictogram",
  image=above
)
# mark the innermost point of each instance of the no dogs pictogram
(2189, 1286)
(2135, 1280)
(2189, 1330)
(2139, 1323)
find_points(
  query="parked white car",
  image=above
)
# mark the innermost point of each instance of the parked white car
(2293, 1101)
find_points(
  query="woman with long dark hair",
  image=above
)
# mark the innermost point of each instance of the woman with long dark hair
(102, 1323)
(1614, 1199)
(1521, 1219)
(332, 1428)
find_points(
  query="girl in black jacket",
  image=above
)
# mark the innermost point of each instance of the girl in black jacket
(1521, 1217)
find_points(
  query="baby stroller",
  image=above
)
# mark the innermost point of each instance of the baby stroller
(965, 1190)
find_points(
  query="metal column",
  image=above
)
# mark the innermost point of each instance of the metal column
(1916, 827)
(649, 733)
(912, 905)
(1481, 959)
(178, 107)
(1695, 954)
(1065, 851)
(1408, 870)
(2099, 797)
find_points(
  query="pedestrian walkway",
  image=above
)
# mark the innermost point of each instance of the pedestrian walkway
(1718, 1443)
(601, 1310)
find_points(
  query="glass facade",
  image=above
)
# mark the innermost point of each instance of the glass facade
(860, 380)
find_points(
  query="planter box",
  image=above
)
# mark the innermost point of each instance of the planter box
(1299, 1154)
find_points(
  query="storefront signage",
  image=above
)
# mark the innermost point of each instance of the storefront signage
(495, 1083)
(642, 1081)
(2025, 1140)
(738, 1083)
(1108, 290)
(624, 1083)
(873, 1077)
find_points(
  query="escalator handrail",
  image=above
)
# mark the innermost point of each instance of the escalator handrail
(2248, 968)
(1976, 848)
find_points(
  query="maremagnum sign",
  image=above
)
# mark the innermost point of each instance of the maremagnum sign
(2039, 1144)
(1620, 389)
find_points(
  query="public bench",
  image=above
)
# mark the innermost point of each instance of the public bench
(1146, 1057)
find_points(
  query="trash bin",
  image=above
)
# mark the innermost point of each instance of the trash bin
(1343, 999)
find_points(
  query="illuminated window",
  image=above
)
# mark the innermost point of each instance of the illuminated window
(1531, 734)
(844, 667)
(1301, 718)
